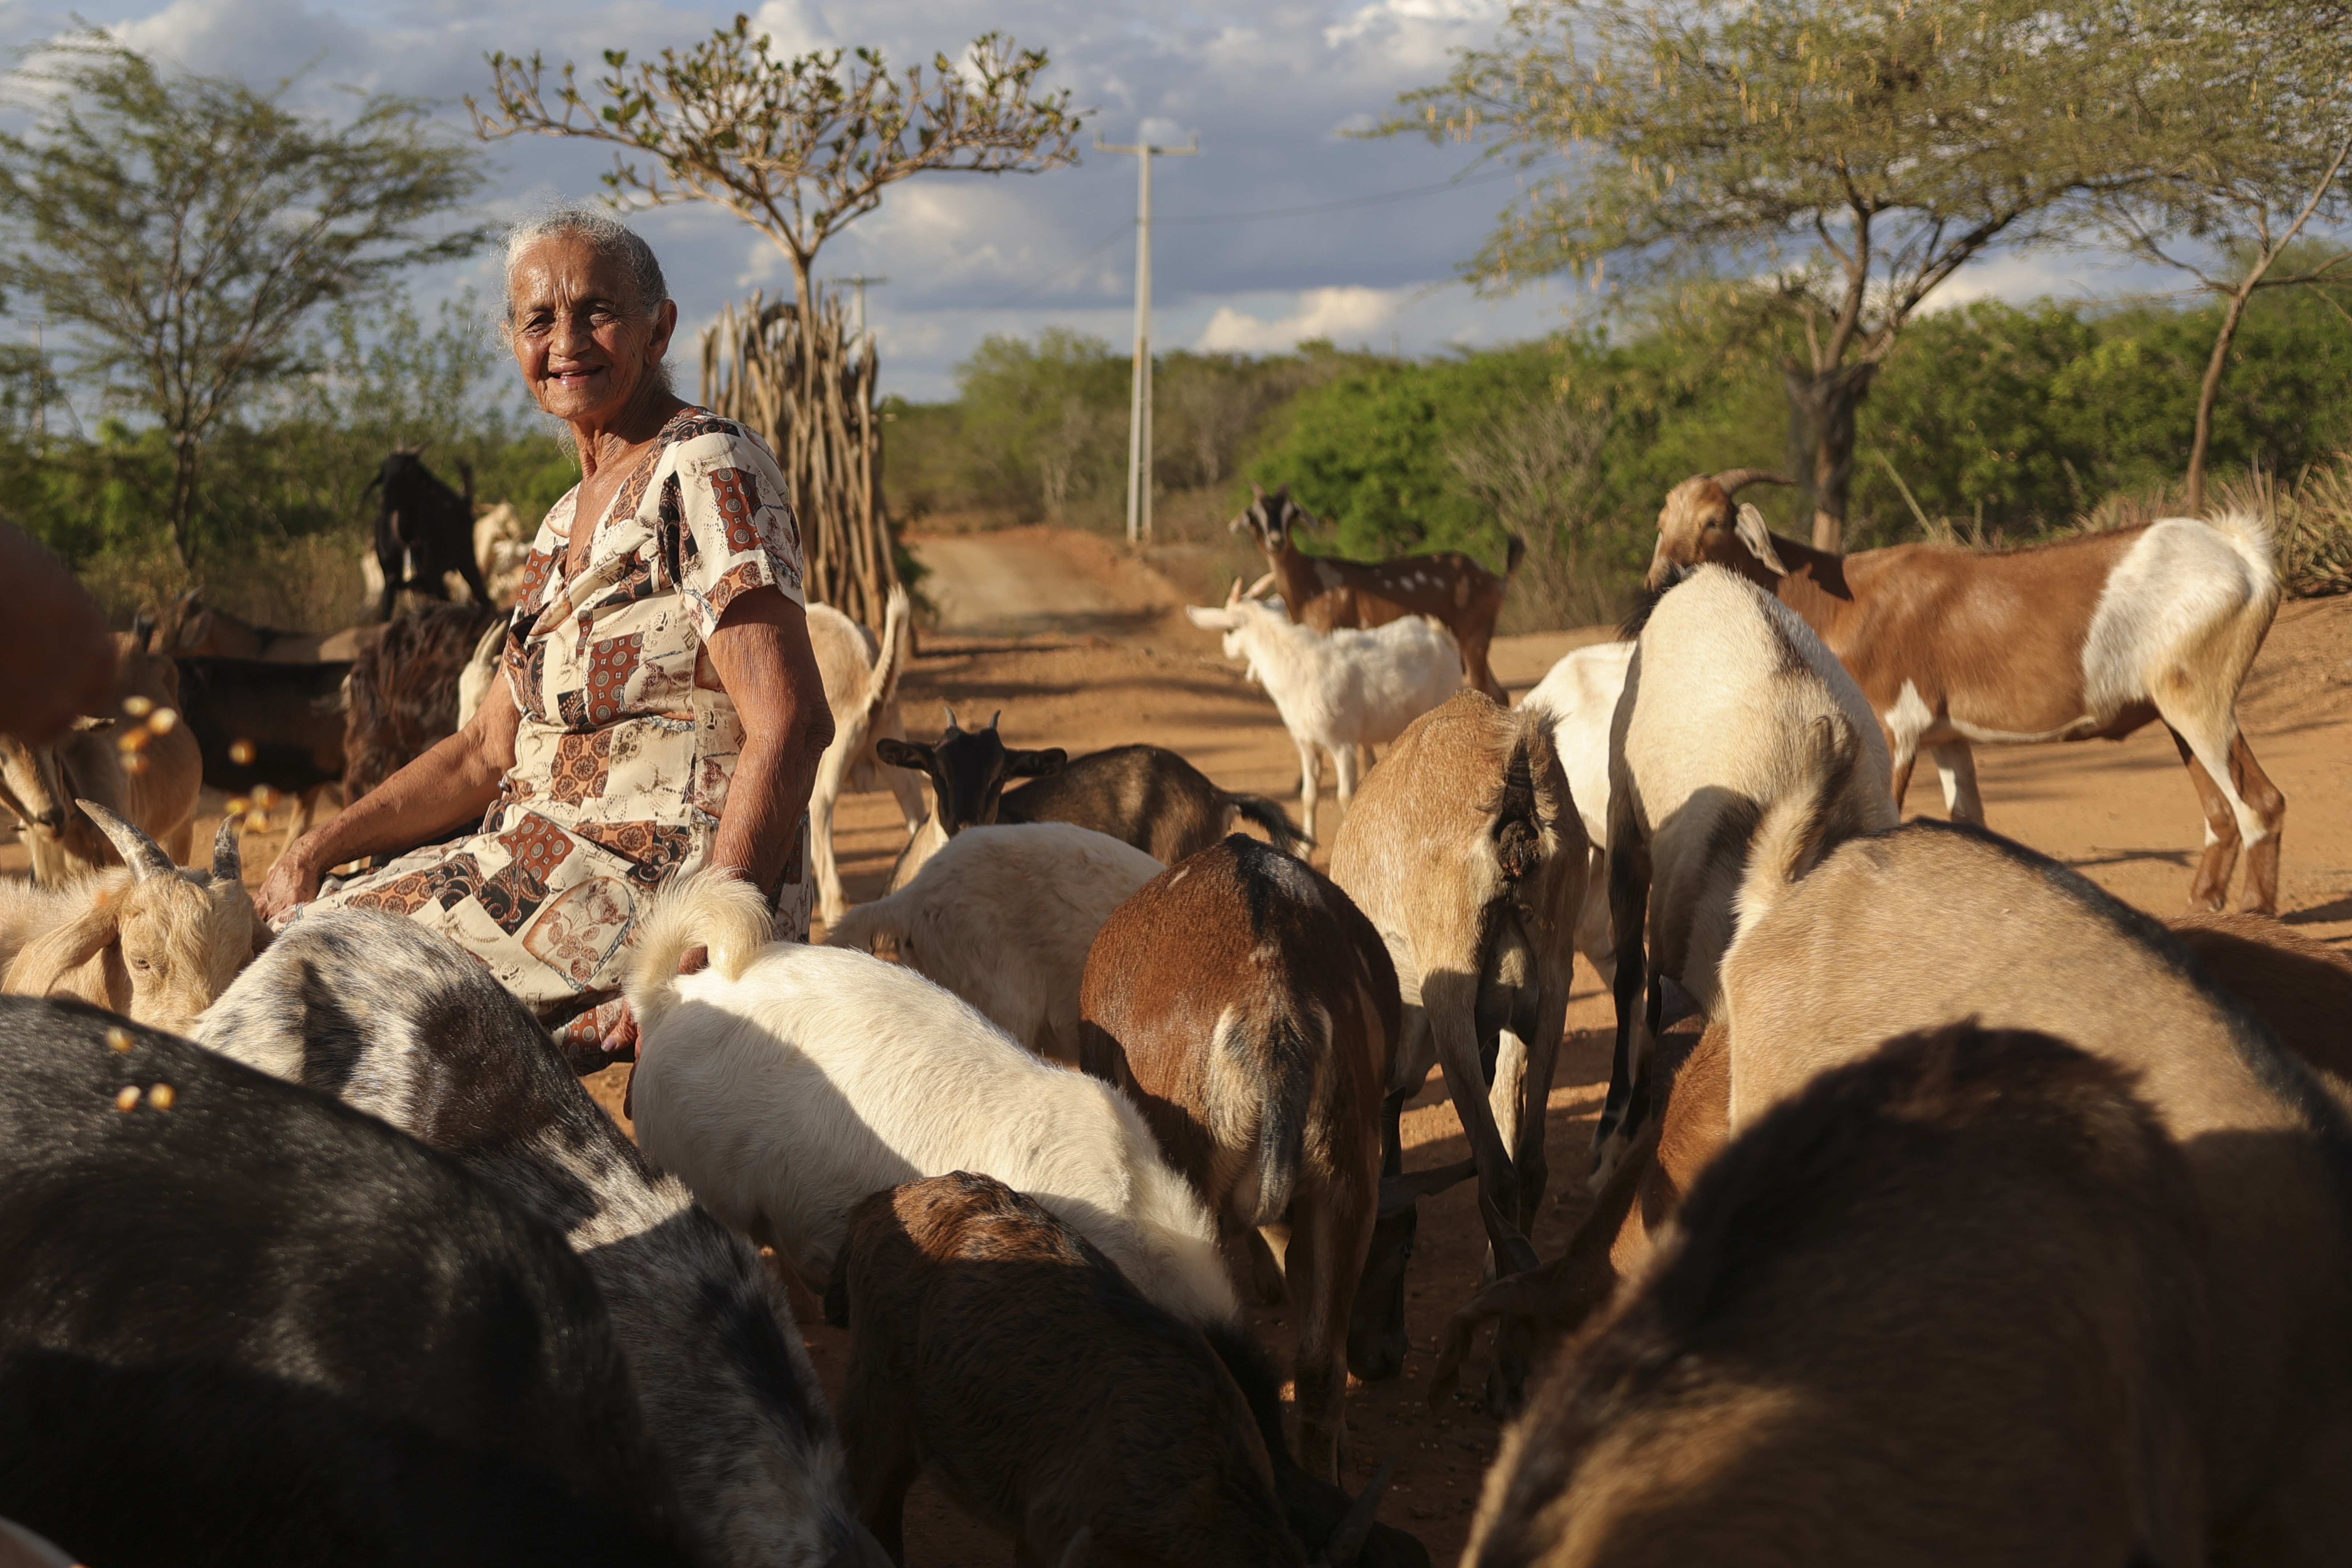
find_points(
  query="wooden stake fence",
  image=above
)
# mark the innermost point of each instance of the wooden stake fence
(811, 396)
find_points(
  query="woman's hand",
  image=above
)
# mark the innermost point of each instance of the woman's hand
(294, 879)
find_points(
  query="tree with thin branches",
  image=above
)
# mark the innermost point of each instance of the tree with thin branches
(1855, 155)
(186, 226)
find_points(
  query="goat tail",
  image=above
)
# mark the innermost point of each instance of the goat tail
(859, 928)
(882, 685)
(1515, 551)
(711, 910)
(1263, 1073)
(2249, 534)
(1796, 829)
(1279, 829)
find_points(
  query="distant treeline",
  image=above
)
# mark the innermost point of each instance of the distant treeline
(2000, 422)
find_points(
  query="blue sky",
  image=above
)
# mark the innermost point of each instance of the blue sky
(1270, 87)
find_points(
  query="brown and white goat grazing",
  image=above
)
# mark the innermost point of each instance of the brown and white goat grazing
(138, 760)
(1946, 1306)
(1326, 593)
(2089, 638)
(861, 686)
(1738, 730)
(152, 940)
(997, 1351)
(1249, 1010)
(1147, 797)
(1935, 923)
(1465, 853)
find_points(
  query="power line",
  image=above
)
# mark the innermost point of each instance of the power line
(1121, 232)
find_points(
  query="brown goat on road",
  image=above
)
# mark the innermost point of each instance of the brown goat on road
(1945, 1305)
(996, 1349)
(1249, 1009)
(2087, 639)
(1466, 852)
(1325, 592)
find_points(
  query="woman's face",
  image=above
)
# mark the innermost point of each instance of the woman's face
(586, 349)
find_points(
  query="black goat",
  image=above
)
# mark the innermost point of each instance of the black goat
(259, 722)
(240, 1323)
(424, 530)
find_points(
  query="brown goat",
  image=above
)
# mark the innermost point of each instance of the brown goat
(996, 1349)
(138, 760)
(2087, 639)
(1945, 1305)
(1248, 1008)
(155, 942)
(1466, 852)
(1933, 924)
(1326, 593)
(403, 692)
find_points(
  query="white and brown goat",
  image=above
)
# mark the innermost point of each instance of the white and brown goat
(998, 1351)
(1250, 1010)
(1328, 594)
(1466, 852)
(1739, 733)
(154, 941)
(137, 760)
(2087, 639)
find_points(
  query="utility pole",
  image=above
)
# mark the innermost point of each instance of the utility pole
(1139, 413)
(858, 281)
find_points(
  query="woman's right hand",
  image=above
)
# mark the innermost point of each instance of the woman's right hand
(293, 880)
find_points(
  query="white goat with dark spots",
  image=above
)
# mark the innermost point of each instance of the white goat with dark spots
(401, 1022)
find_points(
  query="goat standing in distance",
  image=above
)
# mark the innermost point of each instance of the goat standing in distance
(1739, 737)
(1250, 1010)
(152, 940)
(2089, 638)
(1328, 594)
(1343, 692)
(1146, 796)
(998, 1350)
(424, 530)
(1946, 1306)
(1465, 853)
(399, 1022)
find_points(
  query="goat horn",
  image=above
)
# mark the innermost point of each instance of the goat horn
(1733, 480)
(1348, 1539)
(227, 864)
(952, 728)
(993, 717)
(141, 853)
(1235, 597)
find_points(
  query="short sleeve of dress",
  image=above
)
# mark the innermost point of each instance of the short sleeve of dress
(735, 531)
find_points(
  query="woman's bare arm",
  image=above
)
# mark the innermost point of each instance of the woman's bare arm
(449, 786)
(760, 653)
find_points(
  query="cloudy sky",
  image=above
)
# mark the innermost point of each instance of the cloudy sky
(1269, 87)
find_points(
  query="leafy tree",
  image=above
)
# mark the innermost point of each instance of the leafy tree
(797, 147)
(2255, 137)
(1858, 151)
(188, 227)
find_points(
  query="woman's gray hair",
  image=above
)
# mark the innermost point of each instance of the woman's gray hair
(601, 230)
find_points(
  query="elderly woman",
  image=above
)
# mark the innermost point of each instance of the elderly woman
(661, 709)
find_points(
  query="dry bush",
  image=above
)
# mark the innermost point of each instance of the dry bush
(309, 582)
(1536, 468)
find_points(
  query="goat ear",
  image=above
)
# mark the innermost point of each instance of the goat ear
(1281, 492)
(905, 753)
(1752, 532)
(41, 965)
(1034, 764)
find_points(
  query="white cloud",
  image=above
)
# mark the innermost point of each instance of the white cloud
(1346, 314)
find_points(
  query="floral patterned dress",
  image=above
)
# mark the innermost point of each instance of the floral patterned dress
(627, 742)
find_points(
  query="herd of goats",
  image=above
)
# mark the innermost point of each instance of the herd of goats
(1948, 1211)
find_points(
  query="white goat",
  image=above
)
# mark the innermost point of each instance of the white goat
(1736, 722)
(861, 687)
(150, 940)
(785, 1082)
(1581, 693)
(1003, 917)
(1338, 690)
